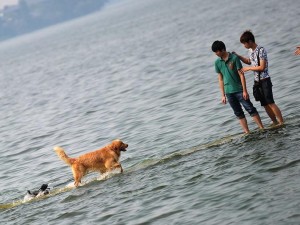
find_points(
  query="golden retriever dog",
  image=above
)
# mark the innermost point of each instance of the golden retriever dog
(103, 160)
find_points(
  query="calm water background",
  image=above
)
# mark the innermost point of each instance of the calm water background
(143, 71)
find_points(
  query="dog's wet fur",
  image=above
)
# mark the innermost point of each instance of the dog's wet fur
(103, 160)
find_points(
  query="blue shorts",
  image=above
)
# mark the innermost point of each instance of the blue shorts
(267, 98)
(236, 100)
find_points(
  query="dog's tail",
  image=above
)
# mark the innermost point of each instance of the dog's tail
(63, 156)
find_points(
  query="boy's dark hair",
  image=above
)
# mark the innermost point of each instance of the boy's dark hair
(218, 46)
(246, 37)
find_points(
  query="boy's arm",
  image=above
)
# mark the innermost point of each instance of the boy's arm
(239, 68)
(221, 85)
(243, 81)
(243, 59)
(260, 68)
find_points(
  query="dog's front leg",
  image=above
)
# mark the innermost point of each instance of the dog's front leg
(121, 168)
(118, 165)
(111, 165)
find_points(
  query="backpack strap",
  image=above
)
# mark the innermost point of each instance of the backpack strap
(258, 63)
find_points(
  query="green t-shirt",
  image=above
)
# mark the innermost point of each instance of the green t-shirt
(229, 71)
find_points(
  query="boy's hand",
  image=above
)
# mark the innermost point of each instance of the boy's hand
(245, 69)
(245, 95)
(241, 71)
(224, 99)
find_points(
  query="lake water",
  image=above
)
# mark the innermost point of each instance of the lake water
(143, 71)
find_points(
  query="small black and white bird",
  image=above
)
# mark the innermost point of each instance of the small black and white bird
(44, 190)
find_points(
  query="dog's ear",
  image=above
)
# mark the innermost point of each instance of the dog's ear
(116, 145)
(44, 187)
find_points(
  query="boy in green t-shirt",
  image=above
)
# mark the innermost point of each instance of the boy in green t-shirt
(233, 85)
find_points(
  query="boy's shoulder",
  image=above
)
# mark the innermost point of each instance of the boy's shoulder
(260, 48)
(234, 57)
(218, 60)
(261, 51)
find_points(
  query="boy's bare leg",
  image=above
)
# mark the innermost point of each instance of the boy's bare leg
(277, 113)
(271, 114)
(244, 125)
(257, 120)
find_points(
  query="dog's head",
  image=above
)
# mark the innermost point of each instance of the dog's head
(44, 187)
(118, 145)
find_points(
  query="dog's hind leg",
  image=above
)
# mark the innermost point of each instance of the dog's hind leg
(78, 173)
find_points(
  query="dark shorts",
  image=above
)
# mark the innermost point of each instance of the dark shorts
(236, 100)
(268, 93)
